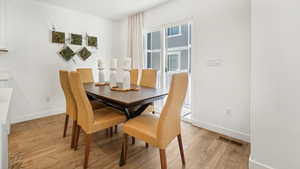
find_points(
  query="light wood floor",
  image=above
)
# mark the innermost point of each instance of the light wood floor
(38, 144)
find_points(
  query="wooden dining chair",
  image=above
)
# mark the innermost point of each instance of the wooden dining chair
(86, 75)
(71, 110)
(159, 132)
(134, 76)
(148, 79)
(89, 120)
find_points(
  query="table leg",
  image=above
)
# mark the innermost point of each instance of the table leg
(127, 113)
(140, 110)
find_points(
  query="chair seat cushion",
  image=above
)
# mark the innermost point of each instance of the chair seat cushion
(143, 127)
(107, 117)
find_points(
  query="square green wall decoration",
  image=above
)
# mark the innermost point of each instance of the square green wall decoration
(76, 39)
(84, 53)
(92, 41)
(67, 53)
(58, 37)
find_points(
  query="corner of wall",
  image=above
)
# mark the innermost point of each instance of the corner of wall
(257, 165)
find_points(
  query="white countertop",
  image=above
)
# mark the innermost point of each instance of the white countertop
(5, 99)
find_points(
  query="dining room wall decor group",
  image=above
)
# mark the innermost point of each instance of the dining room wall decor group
(66, 52)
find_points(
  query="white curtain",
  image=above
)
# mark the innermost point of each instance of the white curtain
(135, 40)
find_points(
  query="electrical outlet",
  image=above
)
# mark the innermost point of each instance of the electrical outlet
(48, 99)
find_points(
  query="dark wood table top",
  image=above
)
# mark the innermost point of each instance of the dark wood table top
(126, 98)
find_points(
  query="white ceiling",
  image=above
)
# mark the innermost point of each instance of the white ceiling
(112, 9)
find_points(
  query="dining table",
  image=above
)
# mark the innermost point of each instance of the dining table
(132, 102)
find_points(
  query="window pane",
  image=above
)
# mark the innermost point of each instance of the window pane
(148, 41)
(149, 60)
(173, 62)
(173, 31)
(155, 40)
(179, 41)
(184, 62)
(156, 60)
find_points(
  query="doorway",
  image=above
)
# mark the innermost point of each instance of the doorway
(168, 50)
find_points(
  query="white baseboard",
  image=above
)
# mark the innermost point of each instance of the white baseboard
(225, 131)
(37, 115)
(256, 165)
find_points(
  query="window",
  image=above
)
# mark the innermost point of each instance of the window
(174, 31)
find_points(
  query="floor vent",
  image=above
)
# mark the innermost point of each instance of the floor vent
(230, 141)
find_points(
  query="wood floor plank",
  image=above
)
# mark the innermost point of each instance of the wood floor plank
(40, 145)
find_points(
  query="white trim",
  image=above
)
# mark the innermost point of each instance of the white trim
(222, 130)
(45, 113)
(180, 48)
(257, 165)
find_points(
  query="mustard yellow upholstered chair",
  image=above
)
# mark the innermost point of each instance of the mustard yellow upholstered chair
(159, 132)
(86, 75)
(71, 110)
(148, 79)
(89, 120)
(134, 76)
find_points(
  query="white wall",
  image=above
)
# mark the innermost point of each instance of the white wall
(33, 61)
(221, 29)
(275, 125)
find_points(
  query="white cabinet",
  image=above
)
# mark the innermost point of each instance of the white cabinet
(5, 99)
(2, 25)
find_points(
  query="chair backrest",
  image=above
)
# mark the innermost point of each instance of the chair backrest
(134, 76)
(71, 109)
(148, 78)
(84, 109)
(169, 123)
(86, 75)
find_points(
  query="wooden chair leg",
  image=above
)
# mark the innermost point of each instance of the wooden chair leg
(77, 137)
(88, 138)
(73, 133)
(125, 146)
(111, 132)
(133, 140)
(181, 149)
(116, 129)
(163, 158)
(147, 145)
(66, 125)
(124, 150)
(107, 132)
